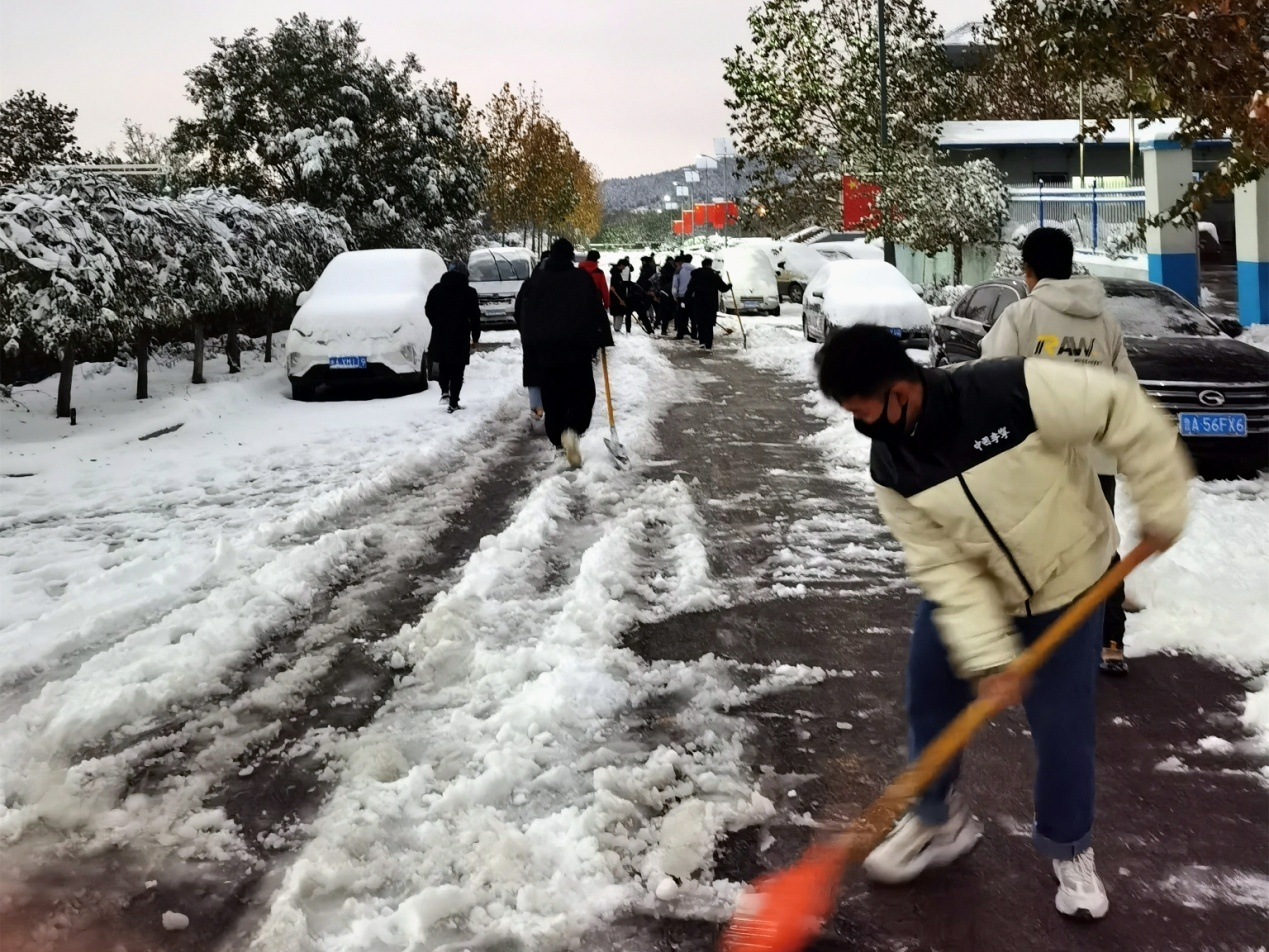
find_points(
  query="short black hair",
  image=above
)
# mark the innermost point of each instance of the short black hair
(687, 258)
(592, 255)
(1049, 253)
(862, 361)
(706, 262)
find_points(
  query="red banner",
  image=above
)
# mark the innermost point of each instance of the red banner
(717, 214)
(859, 203)
(676, 226)
(733, 213)
(687, 223)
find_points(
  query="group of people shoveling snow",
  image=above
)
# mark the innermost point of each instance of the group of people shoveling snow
(989, 478)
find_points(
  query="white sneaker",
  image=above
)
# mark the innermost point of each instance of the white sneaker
(1080, 891)
(914, 846)
(572, 448)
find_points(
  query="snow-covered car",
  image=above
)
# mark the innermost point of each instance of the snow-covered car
(795, 266)
(857, 249)
(753, 281)
(864, 292)
(364, 320)
(497, 274)
(1215, 387)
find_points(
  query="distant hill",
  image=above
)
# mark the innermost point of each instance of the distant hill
(647, 191)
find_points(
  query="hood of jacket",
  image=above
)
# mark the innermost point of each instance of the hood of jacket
(591, 266)
(1082, 297)
(454, 279)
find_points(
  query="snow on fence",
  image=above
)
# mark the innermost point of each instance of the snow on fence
(1097, 218)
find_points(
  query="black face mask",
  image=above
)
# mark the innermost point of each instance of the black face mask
(881, 428)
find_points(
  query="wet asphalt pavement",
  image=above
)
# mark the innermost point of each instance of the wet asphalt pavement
(817, 582)
(1184, 852)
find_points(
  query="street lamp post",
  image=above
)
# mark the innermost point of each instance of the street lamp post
(884, 126)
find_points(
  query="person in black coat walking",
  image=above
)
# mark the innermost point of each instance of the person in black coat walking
(701, 299)
(453, 310)
(562, 325)
(665, 295)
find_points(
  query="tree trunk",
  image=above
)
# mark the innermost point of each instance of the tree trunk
(233, 352)
(958, 262)
(142, 348)
(199, 348)
(268, 333)
(64, 381)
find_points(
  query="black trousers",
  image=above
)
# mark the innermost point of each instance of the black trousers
(682, 320)
(1113, 620)
(706, 330)
(451, 379)
(568, 398)
(665, 312)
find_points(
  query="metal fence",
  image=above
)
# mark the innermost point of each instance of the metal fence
(1098, 219)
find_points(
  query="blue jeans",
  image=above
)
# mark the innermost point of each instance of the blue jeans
(1060, 709)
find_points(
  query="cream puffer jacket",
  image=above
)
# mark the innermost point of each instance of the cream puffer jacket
(995, 505)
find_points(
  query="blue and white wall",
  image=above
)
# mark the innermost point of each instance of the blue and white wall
(1251, 220)
(1171, 251)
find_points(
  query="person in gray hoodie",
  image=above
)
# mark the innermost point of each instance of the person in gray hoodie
(1064, 318)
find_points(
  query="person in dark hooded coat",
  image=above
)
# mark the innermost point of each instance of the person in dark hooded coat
(701, 299)
(562, 325)
(453, 310)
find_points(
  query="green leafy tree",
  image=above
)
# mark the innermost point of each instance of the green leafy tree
(307, 114)
(1201, 61)
(805, 104)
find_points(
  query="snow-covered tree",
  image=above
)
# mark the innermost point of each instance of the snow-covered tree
(805, 100)
(307, 114)
(1205, 62)
(34, 132)
(58, 278)
(931, 207)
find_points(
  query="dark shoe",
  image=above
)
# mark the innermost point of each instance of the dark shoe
(454, 407)
(1113, 662)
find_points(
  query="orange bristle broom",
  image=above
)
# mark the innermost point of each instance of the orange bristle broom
(785, 910)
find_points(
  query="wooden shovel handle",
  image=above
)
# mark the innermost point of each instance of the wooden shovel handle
(603, 359)
(872, 826)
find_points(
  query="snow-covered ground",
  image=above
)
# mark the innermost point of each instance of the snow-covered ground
(1208, 596)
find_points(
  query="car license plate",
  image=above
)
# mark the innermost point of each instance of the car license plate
(347, 363)
(1213, 424)
(751, 302)
(897, 332)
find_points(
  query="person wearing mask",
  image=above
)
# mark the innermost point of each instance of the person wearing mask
(562, 326)
(1060, 307)
(981, 473)
(702, 300)
(453, 310)
(682, 319)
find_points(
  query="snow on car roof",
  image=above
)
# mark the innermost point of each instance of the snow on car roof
(382, 271)
(869, 292)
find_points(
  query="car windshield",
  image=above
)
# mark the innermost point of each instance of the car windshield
(1144, 311)
(491, 266)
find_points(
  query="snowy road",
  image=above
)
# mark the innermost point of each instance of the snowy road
(386, 679)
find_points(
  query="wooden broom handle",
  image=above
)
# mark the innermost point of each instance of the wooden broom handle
(603, 357)
(874, 824)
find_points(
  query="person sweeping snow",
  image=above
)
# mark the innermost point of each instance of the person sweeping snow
(982, 476)
(562, 326)
(1060, 307)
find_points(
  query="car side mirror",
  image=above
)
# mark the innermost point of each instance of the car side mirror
(1230, 325)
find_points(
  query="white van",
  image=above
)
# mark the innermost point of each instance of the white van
(752, 277)
(497, 274)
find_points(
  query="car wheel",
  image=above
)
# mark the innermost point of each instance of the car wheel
(795, 293)
(302, 390)
(775, 311)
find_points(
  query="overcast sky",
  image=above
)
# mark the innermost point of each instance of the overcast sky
(637, 83)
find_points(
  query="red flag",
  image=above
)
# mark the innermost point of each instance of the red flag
(718, 215)
(677, 226)
(859, 203)
(687, 223)
(733, 213)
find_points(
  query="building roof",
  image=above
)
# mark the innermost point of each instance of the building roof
(964, 35)
(992, 133)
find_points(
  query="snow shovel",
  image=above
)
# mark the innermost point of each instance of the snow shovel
(736, 307)
(785, 910)
(612, 442)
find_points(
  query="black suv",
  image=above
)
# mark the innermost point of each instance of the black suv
(1216, 387)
